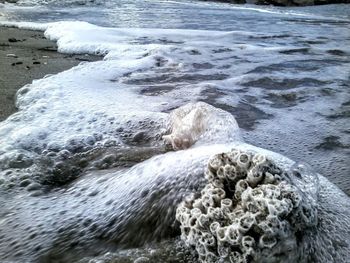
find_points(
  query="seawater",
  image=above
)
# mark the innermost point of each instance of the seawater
(283, 73)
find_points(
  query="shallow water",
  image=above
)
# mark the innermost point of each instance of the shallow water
(283, 73)
(286, 68)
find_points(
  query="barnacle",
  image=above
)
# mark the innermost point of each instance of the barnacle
(247, 212)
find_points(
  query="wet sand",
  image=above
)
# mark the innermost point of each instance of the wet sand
(26, 55)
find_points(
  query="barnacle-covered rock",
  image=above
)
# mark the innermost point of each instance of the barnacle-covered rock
(251, 210)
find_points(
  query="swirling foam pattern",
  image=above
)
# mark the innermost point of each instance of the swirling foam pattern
(84, 169)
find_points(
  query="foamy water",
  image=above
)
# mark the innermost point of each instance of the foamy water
(282, 73)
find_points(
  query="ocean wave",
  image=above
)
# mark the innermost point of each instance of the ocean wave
(84, 165)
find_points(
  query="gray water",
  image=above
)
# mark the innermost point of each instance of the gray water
(293, 99)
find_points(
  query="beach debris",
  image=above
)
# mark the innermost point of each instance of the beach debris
(13, 40)
(17, 63)
(49, 48)
(11, 55)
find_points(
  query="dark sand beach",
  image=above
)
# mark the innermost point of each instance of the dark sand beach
(27, 55)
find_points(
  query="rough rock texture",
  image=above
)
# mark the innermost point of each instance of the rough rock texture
(102, 212)
(250, 211)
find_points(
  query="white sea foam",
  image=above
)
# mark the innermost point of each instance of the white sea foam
(95, 103)
(123, 102)
(146, 72)
(94, 91)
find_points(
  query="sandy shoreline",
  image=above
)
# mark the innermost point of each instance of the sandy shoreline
(27, 55)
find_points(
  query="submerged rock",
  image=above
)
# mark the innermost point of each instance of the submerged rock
(106, 211)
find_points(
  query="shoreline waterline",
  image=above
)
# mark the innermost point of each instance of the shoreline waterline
(26, 55)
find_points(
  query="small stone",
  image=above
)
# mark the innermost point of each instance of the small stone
(11, 56)
(36, 62)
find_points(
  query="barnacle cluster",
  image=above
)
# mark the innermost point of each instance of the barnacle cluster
(250, 211)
